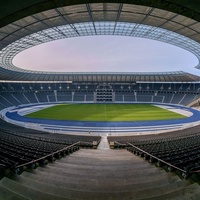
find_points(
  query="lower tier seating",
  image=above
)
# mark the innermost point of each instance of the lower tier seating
(90, 174)
(21, 148)
(178, 149)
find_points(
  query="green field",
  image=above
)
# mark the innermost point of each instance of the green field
(105, 112)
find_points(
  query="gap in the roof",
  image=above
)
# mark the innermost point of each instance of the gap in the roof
(106, 54)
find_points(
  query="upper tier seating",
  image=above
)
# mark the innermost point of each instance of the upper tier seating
(14, 94)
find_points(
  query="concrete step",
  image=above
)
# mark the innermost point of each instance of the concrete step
(26, 191)
(101, 153)
(7, 194)
(93, 176)
(121, 167)
(57, 192)
(190, 192)
(100, 162)
(96, 160)
(110, 157)
(98, 181)
(194, 195)
(107, 152)
(99, 186)
(105, 156)
(103, 174)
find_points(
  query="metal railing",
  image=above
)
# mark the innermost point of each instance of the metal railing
(158, 159)
(46, 156)
(123, 145)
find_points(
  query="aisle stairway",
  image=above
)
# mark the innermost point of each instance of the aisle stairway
(98, 174)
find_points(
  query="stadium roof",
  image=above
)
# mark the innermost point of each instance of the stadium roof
(24, 24)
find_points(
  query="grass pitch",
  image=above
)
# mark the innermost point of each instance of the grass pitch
(105, 112)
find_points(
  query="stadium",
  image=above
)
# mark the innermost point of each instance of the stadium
(98, 135)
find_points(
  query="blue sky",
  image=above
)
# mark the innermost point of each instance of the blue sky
(106, 54)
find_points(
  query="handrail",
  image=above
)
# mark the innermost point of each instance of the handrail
(184, 171)
(196, 171)
(51, 154)
(119, 143)
(2, 165)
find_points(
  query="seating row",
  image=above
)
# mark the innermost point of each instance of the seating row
(21, 148)
(178, 149)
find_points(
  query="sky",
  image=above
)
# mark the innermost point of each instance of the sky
(107, 54)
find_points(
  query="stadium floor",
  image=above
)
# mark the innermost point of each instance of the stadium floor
(101, 128)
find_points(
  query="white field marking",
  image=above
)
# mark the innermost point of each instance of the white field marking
(176, 110)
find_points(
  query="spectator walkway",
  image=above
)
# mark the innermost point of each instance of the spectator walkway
(103, 143)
